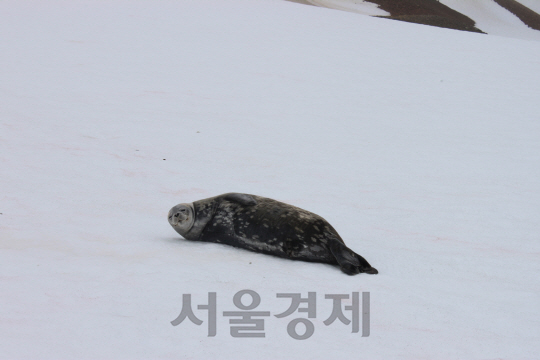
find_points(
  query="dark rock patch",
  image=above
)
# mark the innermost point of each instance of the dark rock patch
(427, 12)
(529, 17)
(436, 20)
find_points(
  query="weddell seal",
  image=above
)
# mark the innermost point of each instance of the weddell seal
(266, 226)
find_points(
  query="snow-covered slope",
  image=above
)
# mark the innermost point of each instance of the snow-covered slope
(361, 7)
(419, 144)
(493, 19)
(489, 16)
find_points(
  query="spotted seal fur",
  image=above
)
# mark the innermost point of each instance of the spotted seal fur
(266, 226)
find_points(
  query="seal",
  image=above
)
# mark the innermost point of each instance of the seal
(266, 226)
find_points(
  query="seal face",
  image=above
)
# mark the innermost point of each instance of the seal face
(182, 217)
(266, 226)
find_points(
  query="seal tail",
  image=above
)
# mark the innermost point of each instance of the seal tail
(350, 262)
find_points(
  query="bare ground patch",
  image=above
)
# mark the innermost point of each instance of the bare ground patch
(529, 17)
(434, 13)
(427, 12)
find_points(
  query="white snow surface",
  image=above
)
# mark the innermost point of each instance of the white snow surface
(357, 6)
(420, 145)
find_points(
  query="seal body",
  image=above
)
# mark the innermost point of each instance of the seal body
(266, 226)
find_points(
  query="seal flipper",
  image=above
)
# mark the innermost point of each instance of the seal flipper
(242, 199)
(350, 262)
(364, 265)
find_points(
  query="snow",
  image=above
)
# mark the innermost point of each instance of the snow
(489, 16)
(418, 144)
(493, 19)
(356, 6)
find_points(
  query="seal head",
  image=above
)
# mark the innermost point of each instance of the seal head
(182, 218)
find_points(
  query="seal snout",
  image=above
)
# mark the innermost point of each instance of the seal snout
(178, 216)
